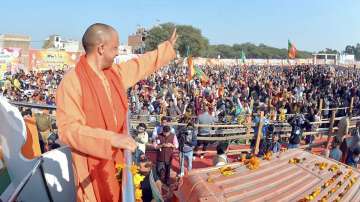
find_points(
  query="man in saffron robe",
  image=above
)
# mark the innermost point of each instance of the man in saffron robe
(92, 108)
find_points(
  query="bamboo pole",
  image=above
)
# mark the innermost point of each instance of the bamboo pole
(320, 107)
(259, 133)
(331, 129)
(332, 121)
(248, 127)
(351, 105)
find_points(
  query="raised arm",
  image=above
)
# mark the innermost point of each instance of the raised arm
(138, 68)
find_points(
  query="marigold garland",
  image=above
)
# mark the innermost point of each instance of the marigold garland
(137, 178)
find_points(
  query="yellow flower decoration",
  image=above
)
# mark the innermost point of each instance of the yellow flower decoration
(119, 166)
(253, 163)
(138, 194)
(321, 165)
(296, 160)
(282, 116)
(268, 155)
(134, 169)
(227, 170)
(327, 185)
(333, 168)
(138, 179)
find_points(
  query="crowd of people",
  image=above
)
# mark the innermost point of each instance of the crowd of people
(230, 91)
(228, 95)
(32, 87)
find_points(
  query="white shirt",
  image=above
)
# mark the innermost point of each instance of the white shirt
(141, 141)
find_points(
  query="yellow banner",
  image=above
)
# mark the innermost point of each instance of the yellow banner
(46, 59)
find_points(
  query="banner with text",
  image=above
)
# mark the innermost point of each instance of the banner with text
(49, 59)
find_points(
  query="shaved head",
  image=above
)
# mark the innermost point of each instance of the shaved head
(96, 34)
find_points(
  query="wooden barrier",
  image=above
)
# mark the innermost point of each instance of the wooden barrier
(248, 131)
(351, 105)
(320, 107)
(331, 128)
(259, 133)
(338, 108)
(225, 138)
(229, 152)
(245, 131)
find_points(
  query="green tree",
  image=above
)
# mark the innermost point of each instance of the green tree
(188, 36)
(251, 51)
(329, 51)
(353, 50)
(357, 52)
(192, 37)
(350, 50)
(157, 35)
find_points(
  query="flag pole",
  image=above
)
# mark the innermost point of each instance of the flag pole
(188, 69)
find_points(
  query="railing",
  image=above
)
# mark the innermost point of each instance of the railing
(33, 105)
(246, 131)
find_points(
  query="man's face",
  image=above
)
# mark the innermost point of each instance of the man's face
(164, 122)
(110, 48)
(141, 129)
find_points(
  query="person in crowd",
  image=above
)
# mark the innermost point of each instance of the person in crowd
(204, 119)
(158, 129)
(166, 143)
(335, 152)
(221, 158)
(147, 169)
(92, 108)
(353, 157)
(187, 141)
(141, 138)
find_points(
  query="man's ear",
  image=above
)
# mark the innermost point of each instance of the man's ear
(100, 49)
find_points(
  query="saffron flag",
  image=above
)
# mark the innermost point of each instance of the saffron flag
(195, 71)
(201, 75)
(191, 69)
(291, 50)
